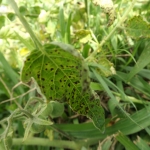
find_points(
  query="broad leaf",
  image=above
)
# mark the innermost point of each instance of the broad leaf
(62, 75)
(137, 27)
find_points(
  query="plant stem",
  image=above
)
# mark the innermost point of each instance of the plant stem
(25, 23)
(114, 29)
(133, 99)
(6, 87)
(14, 98)
(87, 11)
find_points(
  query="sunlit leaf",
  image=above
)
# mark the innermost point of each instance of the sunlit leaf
(2, 21)
(36, 10)
(83, 35)
(51, 27)
(102, 65)
(23, 10)
(11, 16)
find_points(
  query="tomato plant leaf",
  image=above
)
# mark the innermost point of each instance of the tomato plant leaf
(62, 75)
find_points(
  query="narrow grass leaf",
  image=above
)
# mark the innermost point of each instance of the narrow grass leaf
(67, 33)
(62, 23)
(142, 144)
(124, 140)
(10, 72)
(141, 63)
(126, 126)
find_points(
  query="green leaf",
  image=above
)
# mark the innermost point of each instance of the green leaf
(142, 144)
(106, 143)
(23, 10)
(83, 35)
(7, 32)
(96, 86)
(126, 126)
(137, 27)
(41, 121)
(85, 51)
(29, 123)
(2, 21)
(13, 4)
(51, 27)
(105, 82)
(104, 67)
(57, 109)
(36, 128)
(62, 23)
(23, 39)
(10, 72)
(142, 62)
(62, 76)
(67, 33)
(11, 16)
(36, 10)
(126, 142)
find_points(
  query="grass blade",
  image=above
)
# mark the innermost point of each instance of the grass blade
(10, 72)
(141, 63)
(124, 140)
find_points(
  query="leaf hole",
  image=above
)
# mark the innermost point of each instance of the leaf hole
(43, 79)
(38, 75)
(84, 70)
(76, 82)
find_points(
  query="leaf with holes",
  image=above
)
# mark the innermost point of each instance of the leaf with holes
(137, 27)
(62, 75)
